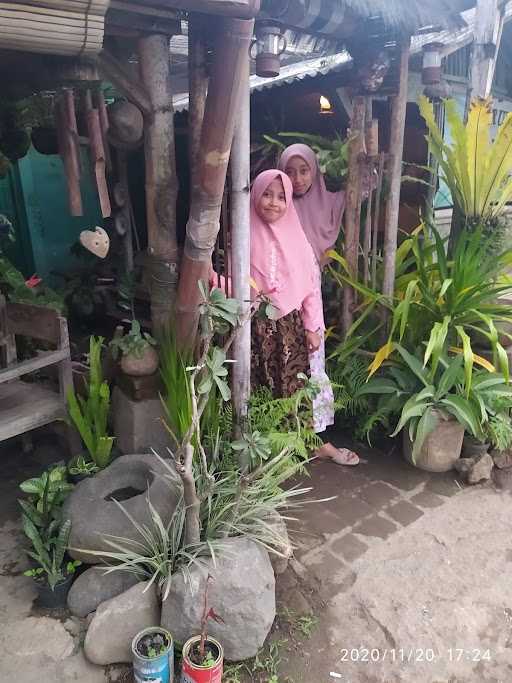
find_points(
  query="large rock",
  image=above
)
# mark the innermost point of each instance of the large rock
(95, 586)
(117, 621)
(281, 558)
(242, 594)
(481, 470)
(94, 515)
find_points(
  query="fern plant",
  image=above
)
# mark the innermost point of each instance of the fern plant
(287, 423)
(90, 414)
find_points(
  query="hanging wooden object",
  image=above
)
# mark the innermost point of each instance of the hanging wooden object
(96, 241)
(104, 124)
(59, 27)
(69, 149)
(97, 154)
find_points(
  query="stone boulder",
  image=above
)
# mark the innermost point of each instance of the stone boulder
(95, 586)
(131, 480)
(280, 559)
(117, 621)
(481, 470)
(242, 594)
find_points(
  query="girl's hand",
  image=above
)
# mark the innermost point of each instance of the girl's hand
(312, 341)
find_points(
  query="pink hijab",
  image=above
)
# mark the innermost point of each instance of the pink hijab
(319, 210)
(282, 263)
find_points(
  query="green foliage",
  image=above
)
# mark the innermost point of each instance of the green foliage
(332, 154)
(13, 284)
(80, 465)
(442, 304)
(476, 170)
(253, 447)
(90, 414)
(176, 399)
(49, 552)
(499, 431)
(134, 343)
(285, 422)
(160, 552)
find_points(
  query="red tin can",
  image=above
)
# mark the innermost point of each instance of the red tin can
(192, 673)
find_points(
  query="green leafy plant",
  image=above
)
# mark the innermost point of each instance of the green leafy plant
(476, 170)
(90, 414)
(80, 465)
(49, 552)
(421, 393)
(443, 304)
(160, 552)
(254, 447)
(135, 343)
(285, 423)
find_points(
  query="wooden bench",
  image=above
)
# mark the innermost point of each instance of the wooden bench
(27, 405)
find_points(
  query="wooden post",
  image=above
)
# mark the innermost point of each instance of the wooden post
(241, 247)
(221, 113)
(197, 87)
(396, 147)
(484, 54)
(353, 205)
(161, 179)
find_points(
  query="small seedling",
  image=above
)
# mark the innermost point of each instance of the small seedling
(204, 656)
(306, 624)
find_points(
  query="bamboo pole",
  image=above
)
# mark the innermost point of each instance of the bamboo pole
(353, 205)
(241, 248)
(197, 87)
(376, 217)
(221, 112)
(396, 146)
(161, 179)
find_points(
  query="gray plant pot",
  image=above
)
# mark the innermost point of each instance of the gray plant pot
(441, 449)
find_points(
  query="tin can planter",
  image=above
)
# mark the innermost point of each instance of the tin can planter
(205, 673)
(153, 656)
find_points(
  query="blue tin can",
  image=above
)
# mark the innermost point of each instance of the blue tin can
(153, 669)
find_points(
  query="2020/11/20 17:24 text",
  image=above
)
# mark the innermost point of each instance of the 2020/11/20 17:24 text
(414, 654)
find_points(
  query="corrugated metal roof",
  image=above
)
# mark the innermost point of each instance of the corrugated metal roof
(290, 73)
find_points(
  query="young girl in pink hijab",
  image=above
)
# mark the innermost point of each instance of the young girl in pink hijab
(320, 213)
(283, 267)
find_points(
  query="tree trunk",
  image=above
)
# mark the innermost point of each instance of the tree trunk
(221, 113)
(241, 249)
(396, 147)
(161, 179)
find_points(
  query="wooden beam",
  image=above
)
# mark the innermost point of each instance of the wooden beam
(241, 247)
(197, 87)
(241, 9)
(118, 75)
(487, 38)
(353, 203)
(396, 147)
(161, 179)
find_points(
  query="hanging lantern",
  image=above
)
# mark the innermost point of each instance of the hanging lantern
(431, 69)
(325, 106)
(267, 49)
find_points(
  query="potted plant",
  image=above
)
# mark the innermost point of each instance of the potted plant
(434, 408)
(52, 574)
(203, 656)
(153, 655)
(80, 468)
(138, 355)
(89, 413)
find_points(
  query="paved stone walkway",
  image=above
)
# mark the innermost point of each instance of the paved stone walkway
(404, 566)
(369, 502)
